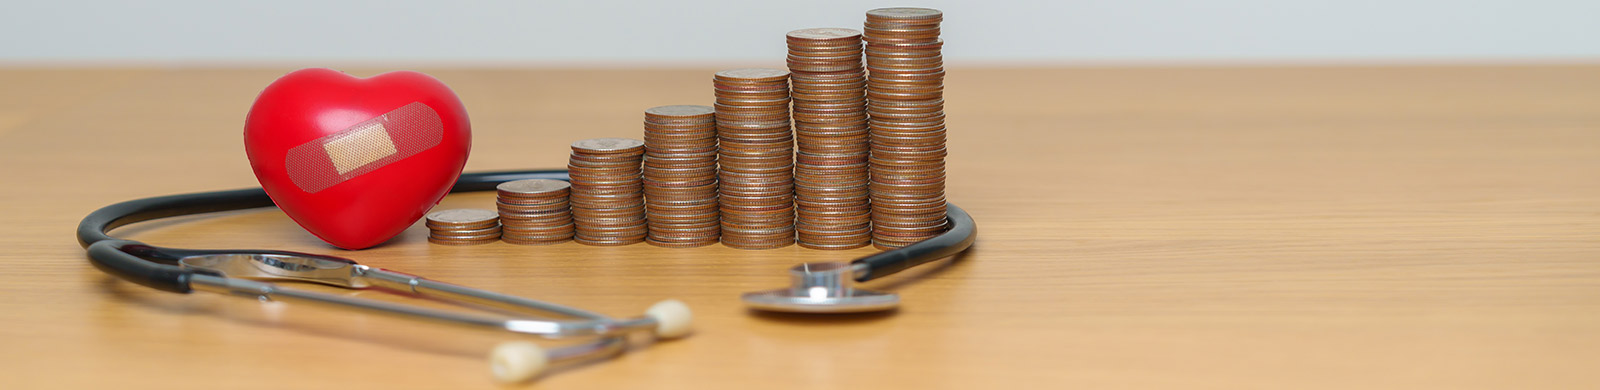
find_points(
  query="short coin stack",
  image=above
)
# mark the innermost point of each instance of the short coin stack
(756, 154)
(607, 196)
(463, 227)
(905, 100)
(830, 124)
(534, 211)
(680, 176)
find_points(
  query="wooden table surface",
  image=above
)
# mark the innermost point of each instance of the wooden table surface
(1227, 228)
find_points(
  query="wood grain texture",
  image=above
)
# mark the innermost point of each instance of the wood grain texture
(1227, 228)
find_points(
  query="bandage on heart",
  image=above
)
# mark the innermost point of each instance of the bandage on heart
(364, 147)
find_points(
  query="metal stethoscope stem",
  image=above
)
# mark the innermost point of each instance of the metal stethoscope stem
(247, 273)
(241, 273)
(242, 268)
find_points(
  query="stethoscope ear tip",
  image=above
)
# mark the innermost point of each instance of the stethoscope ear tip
(673, 319)
(521, 361)
(517, 361)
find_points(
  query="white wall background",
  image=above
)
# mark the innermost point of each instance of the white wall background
(707, 31)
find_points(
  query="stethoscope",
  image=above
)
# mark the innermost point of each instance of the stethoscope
(816, 288)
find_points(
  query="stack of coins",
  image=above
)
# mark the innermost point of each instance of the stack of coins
(756, 153)
(905, 100)
(534, 211)
(607, 196)
(830, 125)
(680, 176)
(463, 227)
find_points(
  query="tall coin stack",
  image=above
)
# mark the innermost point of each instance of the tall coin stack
(680, 176)
(607, 196)
(905, 100)
(463, 227)
(534, 211)
(830, 125)
(756, 154)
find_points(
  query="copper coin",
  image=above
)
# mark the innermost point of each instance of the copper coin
(535, 242)
(540, 234)
(756, 244)
(607, 241)
(682, 244)
(441, 241)
(465, 232)
(845, 246)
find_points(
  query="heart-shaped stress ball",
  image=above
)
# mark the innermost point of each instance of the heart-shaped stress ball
(356, 161)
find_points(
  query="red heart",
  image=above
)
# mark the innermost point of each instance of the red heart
(356, 161)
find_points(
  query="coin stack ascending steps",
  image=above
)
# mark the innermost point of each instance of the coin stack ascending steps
(463, 227)
(830, 124)
(756, 155)
(905, 101)
(680, 176)
(607, 196)
(534, 211)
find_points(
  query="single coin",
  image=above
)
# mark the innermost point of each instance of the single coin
(911, 13)
(478, 225)
(753, 74)
(756, 245)
(608, 241)
(465, 232)
(679, 111)
(833, 247)
(680, 244)
(608, 145)
(442, 241)
(534, 186)
(462, 217)
(519, 241)
(538, 236)
(824, 33)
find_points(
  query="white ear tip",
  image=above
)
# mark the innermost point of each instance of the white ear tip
(517, 361)
(672, 318)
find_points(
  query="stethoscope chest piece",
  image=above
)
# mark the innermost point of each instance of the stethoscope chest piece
(822, 288)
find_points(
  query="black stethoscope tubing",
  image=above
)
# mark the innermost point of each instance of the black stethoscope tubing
(156, 267)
